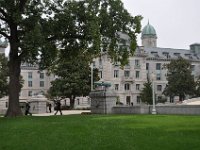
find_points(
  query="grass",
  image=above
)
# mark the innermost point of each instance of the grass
(100, 132)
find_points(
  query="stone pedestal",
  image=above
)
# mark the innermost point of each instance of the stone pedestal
(102, 101)
(38, 104)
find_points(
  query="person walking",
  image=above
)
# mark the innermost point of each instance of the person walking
(50, 107)
(27, 111)
(58, 108)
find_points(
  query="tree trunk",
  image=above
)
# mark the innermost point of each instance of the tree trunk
(14, 74)
(72, 100)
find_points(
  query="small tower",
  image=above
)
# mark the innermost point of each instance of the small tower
(149, 37)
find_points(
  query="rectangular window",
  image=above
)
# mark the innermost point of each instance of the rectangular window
(41, 83)
(100, 62)
(137, 74)
(166, 54)
(116, 73)
(158, 66)
(30, 84)
(126, 86)
(116, 87)
(126, 73)
(30, 93)
(137, 86)
(41, 75)
(158, 76)
(147, 66)
(159, 87)
(100, 74)
(137, 62)
(138, 99)
(30, 75)
(193, 67)
(128, 100)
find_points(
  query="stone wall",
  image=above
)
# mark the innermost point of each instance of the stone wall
(179, 109)
(165, 109)
(131, 110)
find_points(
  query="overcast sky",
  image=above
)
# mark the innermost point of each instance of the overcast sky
(177, 22)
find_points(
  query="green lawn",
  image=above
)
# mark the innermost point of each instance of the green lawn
(100, 132)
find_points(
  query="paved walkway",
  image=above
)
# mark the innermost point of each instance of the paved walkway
(65, 112)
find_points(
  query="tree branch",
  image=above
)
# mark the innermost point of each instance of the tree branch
(4, 19)
(5, 35)
(3, 13)
(21, 5)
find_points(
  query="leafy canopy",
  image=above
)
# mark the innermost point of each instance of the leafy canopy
(180, 80)
(146, 93)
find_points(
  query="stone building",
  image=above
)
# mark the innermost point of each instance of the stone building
(36, 82)
(148, 59)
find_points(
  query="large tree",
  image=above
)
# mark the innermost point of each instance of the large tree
(35, 28)
(21, 24)
(3, 76)
(73, 79)
(180, 80)
(146, 93)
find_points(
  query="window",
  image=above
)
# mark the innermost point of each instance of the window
(138, 99)
(41, 83)
(116, 87)
(158, 66)
(30, 93)
(128, 100)
(193, 67)
(116, 73)
(137, 62)
(147, 66)
(137, 75)
(41, 75)
(30, 84)
(166, 54)
(137, 86)
(30, 76)
(126, 73)
(126, 86)
(100, 62)
(159, 87)
(158, 76)
(100, 74)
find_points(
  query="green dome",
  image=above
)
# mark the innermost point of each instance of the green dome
(148, 30)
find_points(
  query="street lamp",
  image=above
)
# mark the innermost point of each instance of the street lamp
(92, 76)
(153, 94)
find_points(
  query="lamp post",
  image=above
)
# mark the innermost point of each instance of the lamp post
(92, 76)
(153, 94)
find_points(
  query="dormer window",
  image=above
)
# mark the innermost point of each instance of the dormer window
(155, 54)
(166, 54)
(177, 54)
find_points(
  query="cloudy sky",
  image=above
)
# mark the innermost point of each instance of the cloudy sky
(177, 22)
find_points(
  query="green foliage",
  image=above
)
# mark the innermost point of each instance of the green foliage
(197, 90)
(3, 75)
(74, 78)
(94, 27)
(36, 29)
(180, 80)
(94, 132)
(146, 93)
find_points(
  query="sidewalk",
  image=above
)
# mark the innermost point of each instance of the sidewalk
(65, 112)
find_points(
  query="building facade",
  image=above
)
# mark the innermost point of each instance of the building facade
(148, 59)
(36, 82)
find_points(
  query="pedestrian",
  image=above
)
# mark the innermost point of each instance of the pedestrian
(27, 111)
(58, 108)
(50, 107)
